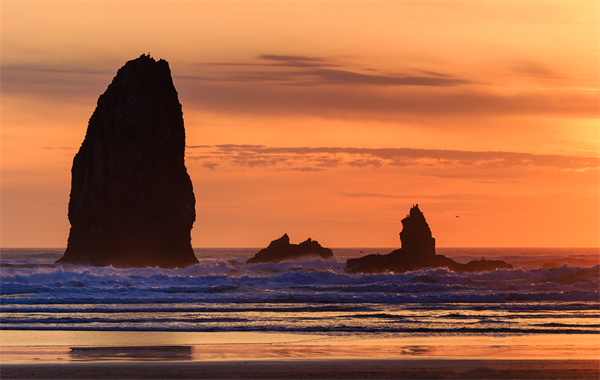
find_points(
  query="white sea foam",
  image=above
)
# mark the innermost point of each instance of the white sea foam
(230, 295)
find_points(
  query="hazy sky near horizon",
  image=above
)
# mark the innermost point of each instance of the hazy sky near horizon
(324, 119)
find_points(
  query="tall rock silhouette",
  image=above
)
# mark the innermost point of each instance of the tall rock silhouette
(132, 203)
(415, 237)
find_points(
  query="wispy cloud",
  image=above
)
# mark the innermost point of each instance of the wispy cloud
(58, 147)
(210, 165)
(297, 61)
(276, 84)
(296, 85)
(444, 197)
(326, 96)
(372, 195)
(432, 162)
(57, 83)
(535, 69)
(301, 70)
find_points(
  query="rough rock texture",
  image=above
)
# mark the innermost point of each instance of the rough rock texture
(132, 202)
(415, 238)
(281, 250)
(417, 251)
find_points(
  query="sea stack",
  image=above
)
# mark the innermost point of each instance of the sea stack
(416, 238)
(417, 250)
(132, 203)
(282, 250)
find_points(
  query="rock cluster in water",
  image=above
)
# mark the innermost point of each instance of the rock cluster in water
(132, 203)
(281, 250)
(417, 251)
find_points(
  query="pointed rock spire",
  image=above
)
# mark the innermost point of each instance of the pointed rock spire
(132, 202)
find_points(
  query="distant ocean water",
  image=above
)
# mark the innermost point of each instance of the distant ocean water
(550, 291)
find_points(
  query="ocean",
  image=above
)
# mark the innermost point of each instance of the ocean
(549, 291)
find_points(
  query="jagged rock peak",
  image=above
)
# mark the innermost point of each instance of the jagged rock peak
(282, 241)
(281, 250)
(416, 237)
(132, 203)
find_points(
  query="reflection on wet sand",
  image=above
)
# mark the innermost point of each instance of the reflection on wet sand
(417, 350)
(242, 351)
(132, 353)
(64, 347)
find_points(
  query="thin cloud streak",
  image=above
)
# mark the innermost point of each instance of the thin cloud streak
(429, 160)
(319, 90)
(297, 61)
(13, 69)
(318, 71)
(329, 76)
(443, 197)
(291, 58)
(53, 83)
(393, 105)
(320, 77)
(275, 84)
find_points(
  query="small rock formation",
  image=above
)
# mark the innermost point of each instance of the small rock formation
(417, 251)
(281, 250)
(132, 203)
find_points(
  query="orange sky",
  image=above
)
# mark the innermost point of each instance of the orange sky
(324, 119)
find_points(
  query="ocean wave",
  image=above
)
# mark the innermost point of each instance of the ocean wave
(313, 329)
(226, 294)
(289, 282)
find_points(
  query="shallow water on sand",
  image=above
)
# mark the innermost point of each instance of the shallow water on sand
(96, 346)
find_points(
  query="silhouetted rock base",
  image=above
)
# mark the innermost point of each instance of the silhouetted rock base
(137, 258)
(399, 261)
(281, 250)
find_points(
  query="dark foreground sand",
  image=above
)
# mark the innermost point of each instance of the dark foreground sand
(312, 369)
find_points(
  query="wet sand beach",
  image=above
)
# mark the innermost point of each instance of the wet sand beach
(156, 355)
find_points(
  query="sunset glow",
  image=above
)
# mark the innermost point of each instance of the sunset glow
(324, 119)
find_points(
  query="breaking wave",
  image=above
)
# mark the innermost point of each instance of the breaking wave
(230, 295)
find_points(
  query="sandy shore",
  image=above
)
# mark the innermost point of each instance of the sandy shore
(312, 369)
(156, 355)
